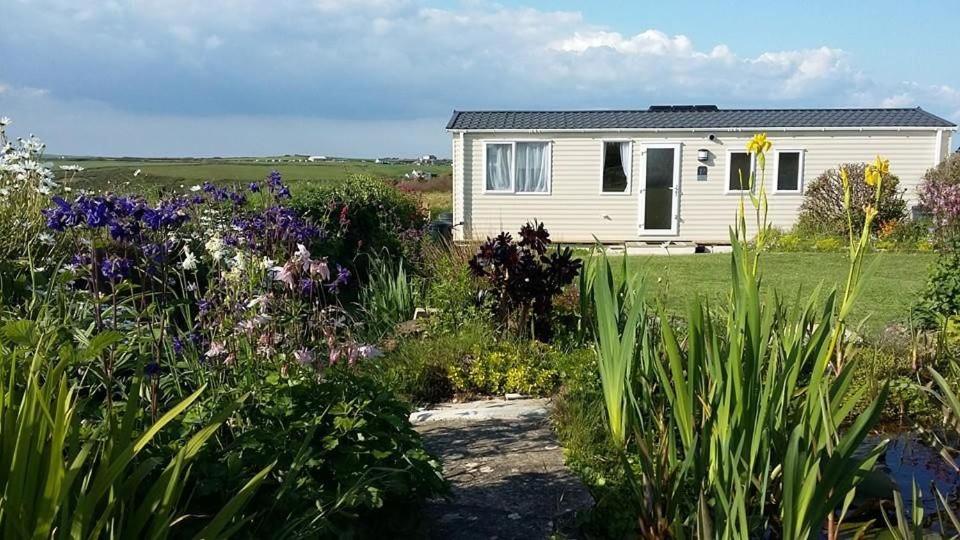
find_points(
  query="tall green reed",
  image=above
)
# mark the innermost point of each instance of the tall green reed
(739, 426)
(57, 481)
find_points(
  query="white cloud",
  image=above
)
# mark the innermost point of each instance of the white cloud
(386, 60)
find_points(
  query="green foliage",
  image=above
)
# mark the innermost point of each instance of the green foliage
(347, 451)
(828, 243)
(365, 215)
(529, 368)
(823, 210)
(451, 289)
(941, 296)
(57, 483)
(389, 297)
(730, 428)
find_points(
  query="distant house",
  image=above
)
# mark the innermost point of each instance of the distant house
(665, 173)
(427, 159)
(316, 158)
(418, 175)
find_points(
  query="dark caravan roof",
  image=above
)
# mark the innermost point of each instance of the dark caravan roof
(695, 117)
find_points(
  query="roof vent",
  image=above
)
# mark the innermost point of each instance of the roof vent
(683, 108)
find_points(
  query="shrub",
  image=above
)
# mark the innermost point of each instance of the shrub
(419, 369)
(522, 280)
(343, 449)
(828, 243)
(941, 296)
(823, 212)
(364, 215)
(940, 195)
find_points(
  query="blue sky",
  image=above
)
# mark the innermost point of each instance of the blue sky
(379, 77)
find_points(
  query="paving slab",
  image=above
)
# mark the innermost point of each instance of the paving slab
(507, 473)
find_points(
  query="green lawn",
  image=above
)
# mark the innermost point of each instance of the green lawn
(890, 287)
(117, 174)
(101, 173)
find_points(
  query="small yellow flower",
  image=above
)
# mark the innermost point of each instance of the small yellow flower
(759, 144)
(881, 165)
(844, 178)
(875, 171)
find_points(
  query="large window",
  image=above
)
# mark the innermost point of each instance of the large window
(739, 167)
(789, 171)
(616, 166)
(517, 167)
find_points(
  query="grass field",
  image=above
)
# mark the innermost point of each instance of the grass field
(156, 174)
(890, 287)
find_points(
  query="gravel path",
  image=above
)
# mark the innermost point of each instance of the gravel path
(506, 470)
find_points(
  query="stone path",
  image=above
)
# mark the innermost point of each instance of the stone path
(506, 471)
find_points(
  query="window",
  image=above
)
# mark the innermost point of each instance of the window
(499, 159)
(789, 171)
(517, 167)
(616, 166)
(739, 167)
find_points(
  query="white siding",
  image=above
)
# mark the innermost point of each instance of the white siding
(576, 211)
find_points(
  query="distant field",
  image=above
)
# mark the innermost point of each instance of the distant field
(157, 174)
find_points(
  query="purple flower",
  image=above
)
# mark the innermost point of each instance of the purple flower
(343, 276)
(307, 287)
(177, 345)
(152, 369)
(254, 187)
(115, 269)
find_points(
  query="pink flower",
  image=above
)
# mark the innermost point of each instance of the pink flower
(216, 349)
(304, 356)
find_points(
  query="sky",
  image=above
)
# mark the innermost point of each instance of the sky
(382, 77)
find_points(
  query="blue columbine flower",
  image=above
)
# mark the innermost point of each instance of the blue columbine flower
(115, 269)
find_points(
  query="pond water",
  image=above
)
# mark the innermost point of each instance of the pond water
(906, 459)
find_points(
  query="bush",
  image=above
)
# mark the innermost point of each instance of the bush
(941, 296)
(346, 445)
(365, 215)
(940, 195)
(823, 212)
(522, 280)
(472, 362)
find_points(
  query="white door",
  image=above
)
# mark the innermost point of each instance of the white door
(660, 189)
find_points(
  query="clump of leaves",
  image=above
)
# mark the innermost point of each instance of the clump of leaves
(521, 279)
(825, 203)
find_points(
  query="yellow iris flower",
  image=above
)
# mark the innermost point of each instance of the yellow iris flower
(759, 144)
(876, 171)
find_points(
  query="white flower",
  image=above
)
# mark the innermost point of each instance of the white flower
(189, 260)
(214, 247)
(4, 121)
(369, 351)
(303, 254)
(196, 188)
(237, 262)
(136, 172)
(45, 238)
(5, 192)
(267, 263)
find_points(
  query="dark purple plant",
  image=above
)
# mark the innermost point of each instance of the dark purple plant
(522, 279)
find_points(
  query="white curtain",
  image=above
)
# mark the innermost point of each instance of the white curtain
(498, 167)
(532, 167)
(625, 159)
